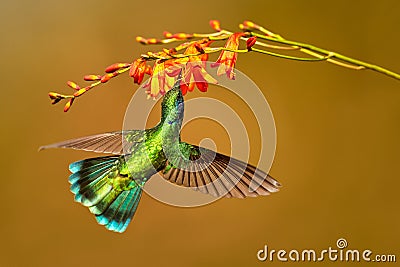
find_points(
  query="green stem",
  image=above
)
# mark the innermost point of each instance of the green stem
(208, 35)
(310, 49)
(289, 57)
(219, 49)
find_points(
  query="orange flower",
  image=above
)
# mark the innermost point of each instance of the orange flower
(227, 59)
(165, 72)
(163, 77)
(194, 72)
(137, 70)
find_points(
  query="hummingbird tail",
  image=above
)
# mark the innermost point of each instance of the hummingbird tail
(110, 196)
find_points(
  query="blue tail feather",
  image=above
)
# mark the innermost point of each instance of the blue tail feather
(92, 182)
(93, 194)
(113, 210)
(102, 205)
(88, 174)
(130, 210)
(88, 164)
(120, 212)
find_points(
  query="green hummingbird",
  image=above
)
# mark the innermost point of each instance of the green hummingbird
(111, 186)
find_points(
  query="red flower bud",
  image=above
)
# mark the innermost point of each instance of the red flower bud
(141, 40)
(153, 41)
(55, 101)
(137, 70)
(250, 24)
(68, 105)
(80, 92)
(116, 66)
(92, 77)
(106, 77)
(250, 42)
(167, 34)
(73, 85)
(215, 25)
(53, 95)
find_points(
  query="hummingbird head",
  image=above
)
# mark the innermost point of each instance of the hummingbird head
(172, 106)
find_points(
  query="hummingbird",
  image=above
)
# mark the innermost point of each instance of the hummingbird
(111, 186)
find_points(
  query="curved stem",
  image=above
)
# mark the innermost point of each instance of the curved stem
(310, 49)
(290, 57)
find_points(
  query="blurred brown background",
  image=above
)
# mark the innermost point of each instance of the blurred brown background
(337, 151)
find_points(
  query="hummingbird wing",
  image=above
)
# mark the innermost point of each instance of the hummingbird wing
(117, 143)
(217, 174)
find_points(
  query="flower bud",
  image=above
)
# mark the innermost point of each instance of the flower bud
(80, 92)
(250, 24)
(116, 66)
(92, 77)
(53, 95)
(106, 78)
(215, 25)
(167, 34)
(141, 40)
(153, 41)
(68, 105)
(73, 85)
(250, 42)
